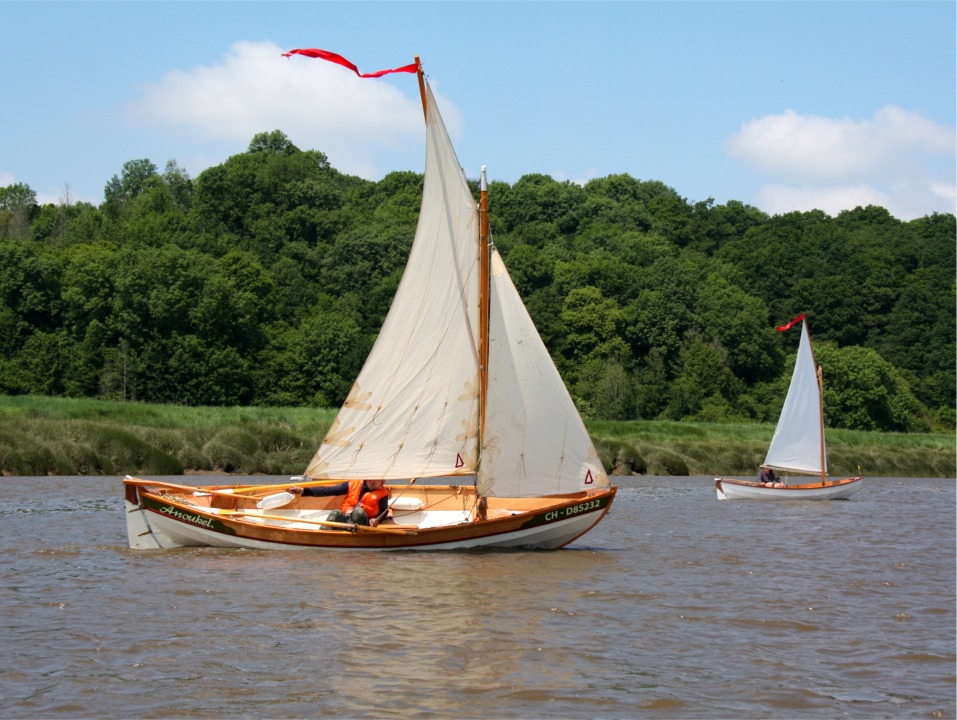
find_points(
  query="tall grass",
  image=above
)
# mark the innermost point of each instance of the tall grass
(62, 436)
(42, 435)
(684, 448)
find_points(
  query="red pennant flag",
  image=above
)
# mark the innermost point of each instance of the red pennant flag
(798, 319)
(339, 60)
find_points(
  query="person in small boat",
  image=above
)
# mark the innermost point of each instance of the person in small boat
(769, 478)
(365, 501)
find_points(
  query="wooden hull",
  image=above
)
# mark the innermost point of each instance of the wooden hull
(730, 489)
(163, 515)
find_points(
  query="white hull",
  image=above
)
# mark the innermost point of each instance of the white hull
(729, 489)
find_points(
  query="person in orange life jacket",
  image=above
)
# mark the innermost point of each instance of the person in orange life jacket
(365, 502)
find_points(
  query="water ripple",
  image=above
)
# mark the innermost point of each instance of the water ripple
(676, 606)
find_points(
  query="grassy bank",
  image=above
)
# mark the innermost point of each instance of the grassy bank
(60, 436)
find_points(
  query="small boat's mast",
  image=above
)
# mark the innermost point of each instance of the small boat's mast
(820, 406)
(421, 76)
(483, 301)
(481, 507)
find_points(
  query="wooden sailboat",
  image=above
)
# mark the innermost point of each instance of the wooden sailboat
(459, 407)
(798, 443)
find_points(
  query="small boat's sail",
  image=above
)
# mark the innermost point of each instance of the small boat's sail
(535, 442)
(798, 442)
(413, 411)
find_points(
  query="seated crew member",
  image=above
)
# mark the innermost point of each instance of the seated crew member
(769, 478)
(365, 501)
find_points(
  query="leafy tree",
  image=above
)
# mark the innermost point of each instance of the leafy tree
(275, 141)
(606, 390)
(135, 178)
(920, 327)
(704, 380)
(195, 373)
(862, 391)
(314, 363)
(540, 199)
(653, 326)
(29, 287)
(592, 323)
(18, 203)
(738, 321)
(179, 185)
(712, 225)
(18, 196)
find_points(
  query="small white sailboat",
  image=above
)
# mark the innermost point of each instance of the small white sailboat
(459, 408)
(798, 444)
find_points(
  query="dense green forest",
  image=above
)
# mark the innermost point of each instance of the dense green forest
(264, 280)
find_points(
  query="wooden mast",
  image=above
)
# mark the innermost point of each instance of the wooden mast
(421, 76)
(484, 286)
(820, 404)
(481, 507)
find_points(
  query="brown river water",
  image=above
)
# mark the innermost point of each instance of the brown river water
(675, 606)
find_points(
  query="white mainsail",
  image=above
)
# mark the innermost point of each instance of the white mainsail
(798, 443)
(414, 409)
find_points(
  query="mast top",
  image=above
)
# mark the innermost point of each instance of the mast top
(421, 75)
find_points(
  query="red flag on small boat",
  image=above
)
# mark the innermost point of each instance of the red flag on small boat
(798, 319)
(339, 60)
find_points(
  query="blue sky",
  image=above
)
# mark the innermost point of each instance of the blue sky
(781, 105)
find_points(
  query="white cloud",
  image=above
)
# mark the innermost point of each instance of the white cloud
(317, 104)
(588, 174)
(900, 160)
(832, 199)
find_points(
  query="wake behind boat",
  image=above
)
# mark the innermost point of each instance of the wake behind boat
(798, 443)
(458, 389)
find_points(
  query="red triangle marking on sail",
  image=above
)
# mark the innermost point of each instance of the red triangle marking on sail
(459, 462)
(588, 478)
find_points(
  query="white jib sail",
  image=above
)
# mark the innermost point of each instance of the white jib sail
(535, 442)
(413, 411)
(797, 444)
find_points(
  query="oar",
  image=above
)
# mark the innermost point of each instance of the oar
(230, 493)
(327, 523)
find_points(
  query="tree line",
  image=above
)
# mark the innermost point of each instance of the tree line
(264, 281)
